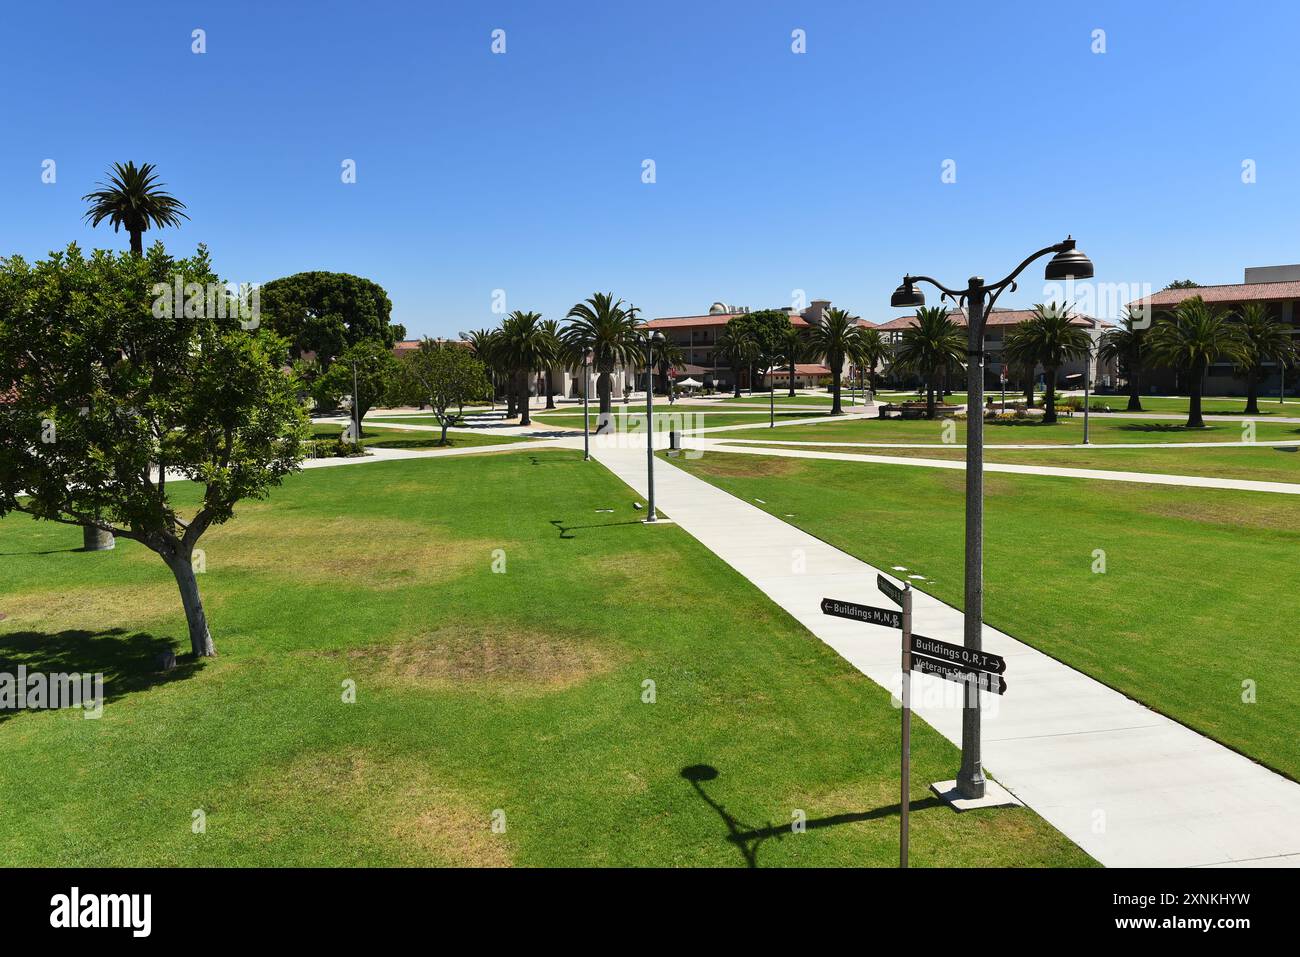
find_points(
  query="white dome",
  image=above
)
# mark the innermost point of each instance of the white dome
(719, 309)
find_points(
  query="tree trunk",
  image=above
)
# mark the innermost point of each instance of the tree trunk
(524, 417)
(929, 396)
(1252, 395)
(550, 389)
(735, 374)
(1029, 389)
(200, 639)
(836, 408)
(1194, 419)
(1134, 392)
(96, 540)
(137, 242)
(791, 380)
(1049, 397)
(443, 422)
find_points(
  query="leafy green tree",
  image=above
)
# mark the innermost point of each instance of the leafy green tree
(1189, 340)
(1263, 339)
(324, 313)
(792, 351)
(134, 200)
(109, 393)
(1183, 284)
(835, 337)
(445, 376)
(766, 328)
(376, 377)
(1127, 348)
(929, 347)
(736, 346)
(1049, 338)
(609, 328)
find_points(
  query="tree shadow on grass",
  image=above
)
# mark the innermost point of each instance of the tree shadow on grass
(747, 838)
(129, 661)
(565, 530)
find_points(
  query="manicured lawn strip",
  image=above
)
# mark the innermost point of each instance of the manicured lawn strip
(1263, 464)
(1102, 430)
(1210, 405)
(383, 435)
(684, 418)
(1199, 594)
(781, 397)
(477, 691)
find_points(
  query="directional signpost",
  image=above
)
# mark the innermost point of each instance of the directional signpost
(930, 656)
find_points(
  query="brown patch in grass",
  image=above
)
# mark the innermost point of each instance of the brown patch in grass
(743, 465)
(1260, 510)
(400, 805)
(373, 552)
(482, 658)
(96, 607)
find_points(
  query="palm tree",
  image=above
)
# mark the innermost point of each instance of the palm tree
(485, 344)
(525, 346)
(1264, 339)
(133, 200)
(608, 328)
(554, 354)
(835, 337)
(872, 353)
(738, 348)
(1127, 348)
(1191, 338)
(793, 348)
(668, 355)
(1049, 338)
(929, 346)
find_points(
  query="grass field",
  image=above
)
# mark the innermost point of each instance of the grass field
(1264, 463)
(684, 417)
(386, 436)
(1102, 430)
(1199, 593)
(476, 693)
(820, 400)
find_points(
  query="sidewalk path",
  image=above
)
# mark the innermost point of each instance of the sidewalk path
(1132, 788)
(1106, 475)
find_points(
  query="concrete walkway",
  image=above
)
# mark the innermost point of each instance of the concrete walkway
(1105, 475)
(1132, 788)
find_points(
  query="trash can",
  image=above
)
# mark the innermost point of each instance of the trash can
(674, 440)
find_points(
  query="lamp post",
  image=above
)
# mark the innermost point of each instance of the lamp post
(586, 387)
(771, 397)
(650, 341)
(1087, 379)
(979, 298)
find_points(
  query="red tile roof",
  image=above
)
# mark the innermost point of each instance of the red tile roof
(801, 368)
(998, 317)
(687, 322)
(1232, 292)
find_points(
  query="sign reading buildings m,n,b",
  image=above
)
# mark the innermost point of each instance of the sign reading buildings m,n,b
(868, 614)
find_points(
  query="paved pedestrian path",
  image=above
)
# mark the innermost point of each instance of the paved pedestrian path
(1129, 786)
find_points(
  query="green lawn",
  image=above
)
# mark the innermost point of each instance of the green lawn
(1067, 431)
(1264, 463)
(1210, 405)
(387, 436)
(477, 692)
(683, 417)
(821, 400)
(1200, 592)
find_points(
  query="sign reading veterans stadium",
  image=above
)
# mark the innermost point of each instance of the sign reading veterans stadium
(944, 669)
(958, 655)
(867, 614)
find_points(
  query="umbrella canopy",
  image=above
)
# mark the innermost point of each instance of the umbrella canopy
(691, 383)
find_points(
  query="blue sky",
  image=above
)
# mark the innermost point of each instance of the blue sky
(775, 171)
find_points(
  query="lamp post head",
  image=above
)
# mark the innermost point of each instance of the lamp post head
(907, 296)
(1069, 263)
(656, 337)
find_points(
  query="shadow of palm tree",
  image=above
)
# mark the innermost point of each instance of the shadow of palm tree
(565, 530)
(129, 661)
(748, 839)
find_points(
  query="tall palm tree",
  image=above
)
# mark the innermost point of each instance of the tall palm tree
(133, 200)
(525, 345)
(1263, 339)
(929, 346)
(835, 337)
(1191, 338)
(738, 349)
(608, 327)
(485, 344)
(872, 353)
(668, 355)
(554, 354)
(1127, 348)
(1049, 338)
(793, 348)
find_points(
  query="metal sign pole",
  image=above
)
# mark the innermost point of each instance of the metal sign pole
(904, 801)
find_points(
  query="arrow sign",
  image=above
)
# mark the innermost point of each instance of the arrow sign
(864, 613)
(958, 655)
(951, 672)
(892, 591)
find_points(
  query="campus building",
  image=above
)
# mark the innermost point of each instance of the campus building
(1069, 376)
(1276, 287)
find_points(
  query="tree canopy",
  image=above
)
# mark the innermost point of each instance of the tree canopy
(326, 312)
(107, 392)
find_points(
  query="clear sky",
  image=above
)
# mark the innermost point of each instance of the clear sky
(775, 171)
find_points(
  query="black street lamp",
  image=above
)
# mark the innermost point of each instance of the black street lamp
(650, 341)
(586, 430)
(979, 299)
